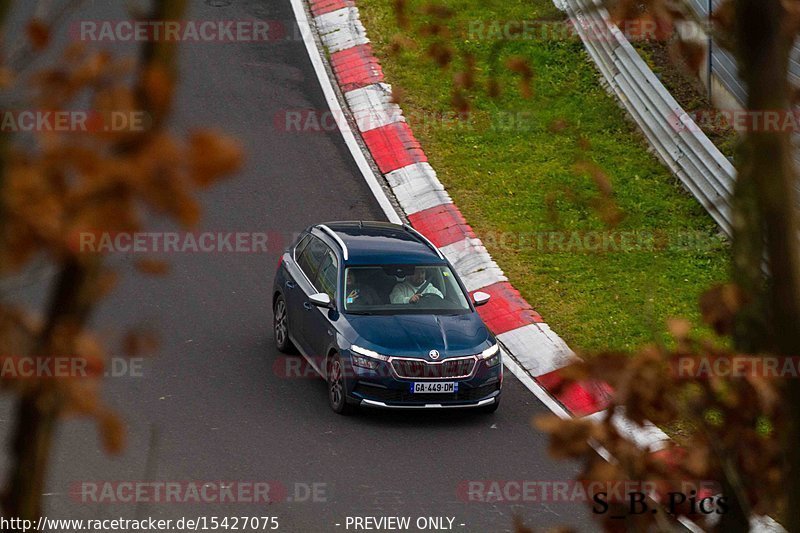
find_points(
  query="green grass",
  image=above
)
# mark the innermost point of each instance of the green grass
(522, 180)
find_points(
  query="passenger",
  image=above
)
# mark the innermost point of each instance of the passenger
(360, 293)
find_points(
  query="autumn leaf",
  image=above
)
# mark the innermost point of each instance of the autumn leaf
(140, 341)
(689, 53)
(459, 102)
(112, 432)
(437, 10)
(719, 306)
(519, 65)
(157, 88)
(568, 437)
(441, 53)
(400, 42)
(152, 267)
(212, 155)
(400, 13)
(38, 34)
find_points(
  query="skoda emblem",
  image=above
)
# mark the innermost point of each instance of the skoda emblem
(434, 354)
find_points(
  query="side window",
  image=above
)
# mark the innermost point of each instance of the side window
(326, 280)
(301, 246)
(310, 259)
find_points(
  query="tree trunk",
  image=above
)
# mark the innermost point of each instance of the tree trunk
(39, 407)
(32, 442)
(763, 46)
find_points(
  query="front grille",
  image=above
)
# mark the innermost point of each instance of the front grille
(464, 394)
(419, 369)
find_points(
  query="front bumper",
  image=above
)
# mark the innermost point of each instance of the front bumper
(382, 405)
(383, 388)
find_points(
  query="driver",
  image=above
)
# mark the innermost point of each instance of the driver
(412, 287)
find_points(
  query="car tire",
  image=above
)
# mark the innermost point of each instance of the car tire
(489, 409)
(337, 386)
(280, 326)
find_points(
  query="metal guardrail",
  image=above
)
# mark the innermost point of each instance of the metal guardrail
(678, 141)
(675, 137)
(724, 69)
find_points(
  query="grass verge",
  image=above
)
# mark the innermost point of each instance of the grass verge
(539, 178)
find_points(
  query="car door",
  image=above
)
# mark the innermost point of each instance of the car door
(291, 289)
(309, 260)
(319, 330)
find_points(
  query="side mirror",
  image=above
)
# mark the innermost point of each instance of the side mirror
(321, 299)
(480, 298)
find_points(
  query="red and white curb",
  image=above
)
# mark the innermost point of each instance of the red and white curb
(534, 352)
(525, 337)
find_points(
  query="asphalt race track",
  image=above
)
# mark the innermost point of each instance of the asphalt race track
(213, 405)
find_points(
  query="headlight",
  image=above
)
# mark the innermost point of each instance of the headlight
(366, 358)
(364, 362)
(491, 355)
(488, 352)
(493, 360)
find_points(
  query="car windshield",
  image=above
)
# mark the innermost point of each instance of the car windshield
(403, 289)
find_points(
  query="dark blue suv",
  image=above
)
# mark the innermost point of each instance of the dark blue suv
(377, 310)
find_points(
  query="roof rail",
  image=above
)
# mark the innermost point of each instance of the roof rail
(424, 239)
(335, 237)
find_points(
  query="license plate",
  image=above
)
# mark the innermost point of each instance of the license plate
(428, 387)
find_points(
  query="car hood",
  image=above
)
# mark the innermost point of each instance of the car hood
(412, 335)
